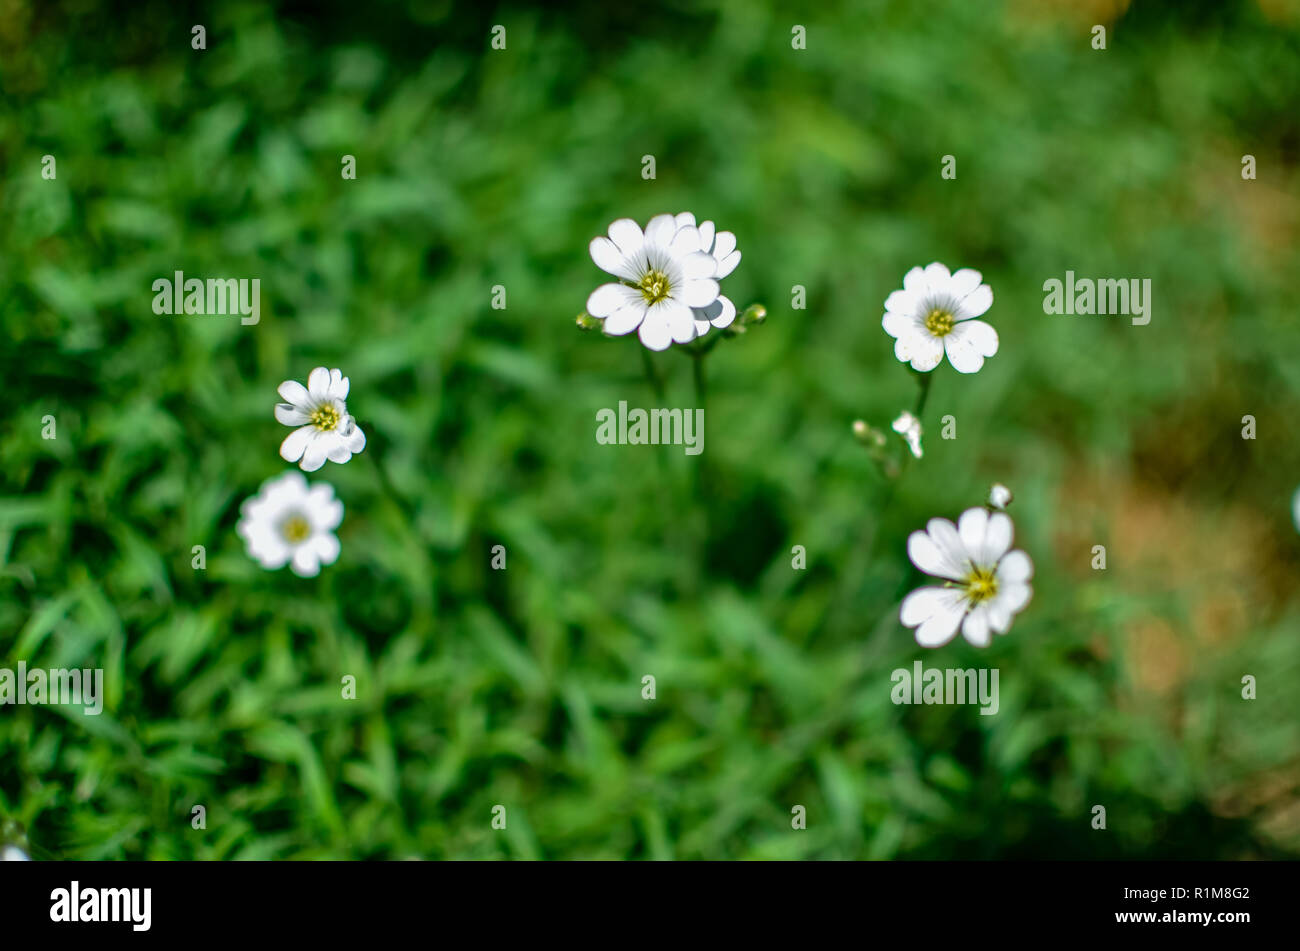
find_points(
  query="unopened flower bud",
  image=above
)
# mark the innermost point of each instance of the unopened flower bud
(1000, 496)
(586, 322)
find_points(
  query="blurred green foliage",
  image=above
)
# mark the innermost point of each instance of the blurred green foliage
(523, 687)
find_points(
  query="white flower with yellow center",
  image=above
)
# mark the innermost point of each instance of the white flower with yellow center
(325, 430)
(663, 273)
(986, 584)
(935, 314)
(721, 246)
(291, 522)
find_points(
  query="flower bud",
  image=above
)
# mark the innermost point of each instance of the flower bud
(1000, 496)
(586, 322)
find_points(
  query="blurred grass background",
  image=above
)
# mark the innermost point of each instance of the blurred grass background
(523, 687)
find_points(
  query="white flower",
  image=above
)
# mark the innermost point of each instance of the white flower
(663, 273)
(325, 430)
(909, 427)
(287, 521)
(721, 246)
(11, 853)
(934, 313)
(1000, 496)
(1295, 509)
(986, 582)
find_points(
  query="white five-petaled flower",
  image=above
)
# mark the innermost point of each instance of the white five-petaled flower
(935, 313)
(986, 583)
(909, 427)
(291, 522)
(325, 430)
(721, 246)
(663, 273)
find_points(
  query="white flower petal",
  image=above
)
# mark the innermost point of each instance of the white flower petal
(628, 237)
(677, 316)
(897, 325)
(660, 231)
(976, 626)
(608, 298)
(939, 628)
(923, 350)
(306, 563)
(686, 241)
(969, 342)
(971, 528)
(697, 265)
(318, 385)
(723, 244)
(295, 393)
(923, 603)
(975, 303)
(326, 547)
(339, 385)
(726, 312)
(963, 282)
(655, 334)
(295, 444)
(611, 260)
(914, 283)
(316, 453)
(627, 318)
(1014, 596)
(903, 303)
(684, 218)
(1015, 567)
(938, 554)
(290, 415)
(937, 279)
(728, 264)
(356, 439)
(698, 293)
(707, 234)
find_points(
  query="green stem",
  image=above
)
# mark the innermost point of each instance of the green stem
(651, 374)
(701, 400)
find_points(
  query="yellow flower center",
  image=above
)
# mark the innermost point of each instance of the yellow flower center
(939, 322)
(325, 418)
(295, 529)
(980, 585)
(654, 286)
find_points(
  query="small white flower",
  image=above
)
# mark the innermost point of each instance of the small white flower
(1000, 496)
(288, 521)
(11, 853)
(325, 430)
(721, 246)
(1295, 509)
(909, 427)
(664, 273)
(987, 584)
(935, 313)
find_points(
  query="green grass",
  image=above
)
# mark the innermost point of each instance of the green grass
(522, 687)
